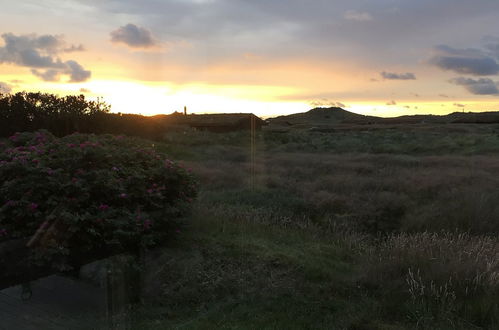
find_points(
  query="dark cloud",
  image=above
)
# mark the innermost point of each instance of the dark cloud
(459, 105)
(5, 88)
(210, 17)
(134, 36)
(32, 58)
(473, 66)
(221, 29)
(443, 95)
(85, 90)
(40, 53)
(392, 102)
(466, 61)
(76, 72)
(398, 76)
(48, 44)
(482, 86)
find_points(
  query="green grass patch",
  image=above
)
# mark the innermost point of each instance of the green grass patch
(242, 275)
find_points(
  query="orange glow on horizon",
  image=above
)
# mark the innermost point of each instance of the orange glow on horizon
(150, 98)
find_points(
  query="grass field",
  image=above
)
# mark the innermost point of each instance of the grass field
(382, 229)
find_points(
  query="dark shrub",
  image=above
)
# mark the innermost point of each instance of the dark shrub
(84, 193)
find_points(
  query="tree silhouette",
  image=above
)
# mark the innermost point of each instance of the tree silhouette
(61, 116)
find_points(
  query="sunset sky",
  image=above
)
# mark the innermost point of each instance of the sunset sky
(269, 57)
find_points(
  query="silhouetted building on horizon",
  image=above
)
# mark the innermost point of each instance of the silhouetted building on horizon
(223, 122)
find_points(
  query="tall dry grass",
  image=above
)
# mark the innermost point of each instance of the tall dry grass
(450, 278)
(429, 222)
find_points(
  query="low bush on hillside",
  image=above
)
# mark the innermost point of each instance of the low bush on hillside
(85, 193)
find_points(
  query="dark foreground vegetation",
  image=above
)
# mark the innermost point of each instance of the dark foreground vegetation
(394, 227)
(28, 112)
(62, 116)
(380, 235)
(81, 198)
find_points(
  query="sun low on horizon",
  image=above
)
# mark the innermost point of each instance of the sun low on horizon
(383, 58)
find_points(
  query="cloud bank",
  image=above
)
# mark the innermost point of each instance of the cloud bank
(465, 61)
(482, 86)
(134, 36)
(41, 54)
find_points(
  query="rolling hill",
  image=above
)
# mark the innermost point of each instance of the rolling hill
(322, 118)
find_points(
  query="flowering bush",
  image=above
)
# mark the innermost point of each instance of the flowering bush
(84, 193)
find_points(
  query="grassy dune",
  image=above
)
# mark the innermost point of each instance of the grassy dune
(383, 229)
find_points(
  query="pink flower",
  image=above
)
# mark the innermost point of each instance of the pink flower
(123, 195)
(177, 231)
(33, 206)
(147, 224)
(103, 207)
(3, 232)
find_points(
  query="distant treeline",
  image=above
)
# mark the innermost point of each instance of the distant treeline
(61, 116)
